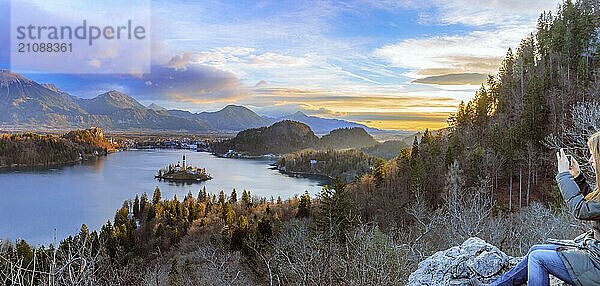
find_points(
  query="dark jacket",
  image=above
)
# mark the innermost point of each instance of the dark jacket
(582, 260)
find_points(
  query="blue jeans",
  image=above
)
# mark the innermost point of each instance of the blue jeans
(534, 269)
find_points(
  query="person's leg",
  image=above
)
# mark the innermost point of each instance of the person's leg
(545, 262)
(518, 274)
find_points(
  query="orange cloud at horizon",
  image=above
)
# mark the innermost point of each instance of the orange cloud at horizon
(402, 111)
(404, 125)
(384, 111)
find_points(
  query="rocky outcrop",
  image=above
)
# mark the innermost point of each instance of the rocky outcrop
(454, 266)
(94, 137)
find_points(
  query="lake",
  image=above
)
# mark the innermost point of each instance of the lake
(36, 205)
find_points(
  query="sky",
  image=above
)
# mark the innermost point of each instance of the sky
(354, 60)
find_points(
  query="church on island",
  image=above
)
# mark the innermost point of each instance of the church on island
(182, 172)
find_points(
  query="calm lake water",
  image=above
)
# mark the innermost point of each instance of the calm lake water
(33, 204)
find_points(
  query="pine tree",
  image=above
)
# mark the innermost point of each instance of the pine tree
(136, 207)
(121, 217)
(463, 114)
(84, 231)
(233, 197)
(240, 233)
(228, 214)
(426, 139)
(246, 199)
(143, 202)
(174, 275)
(25, 252)
(304, 205)
(417, 169)
(453, 150)
(202, 197)
(221, 198)
(265, 229)
(156, 197)
(177, 212)
(481, 108)
(379, 172)
(337, 215)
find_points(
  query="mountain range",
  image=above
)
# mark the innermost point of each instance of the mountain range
(324, 125)
(28, 104)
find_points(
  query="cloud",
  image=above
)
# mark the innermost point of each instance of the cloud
(194, 84)
(483, 12)
(435, 117)
(410, 110)
(322, 58)
(243, 57)
(475, 52)
(330, 103)
(101, 55)
(95, 63)
(497, 26)
(479, 51)
(221, 56)
(271, 59)
(4, 34)
(403, 120)
(321, 111)
(260, 83)
(416, 117)
(454, 79)
(180, 62)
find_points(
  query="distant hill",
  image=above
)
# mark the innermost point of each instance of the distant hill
(324, 125)
(347, 138)
(280, 138)
(23, 101)
(386, 150)
(289, 136)
(110, 102)
(233, 118)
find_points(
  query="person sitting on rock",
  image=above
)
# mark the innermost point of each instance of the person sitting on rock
(577, 261)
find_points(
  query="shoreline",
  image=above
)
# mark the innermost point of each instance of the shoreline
(304, 174)
(182, 180)
(268, 156)
(50, 165)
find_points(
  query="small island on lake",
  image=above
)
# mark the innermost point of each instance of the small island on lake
(182, 172)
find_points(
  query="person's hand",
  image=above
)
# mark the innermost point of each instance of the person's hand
(563, 161)
(574, 170)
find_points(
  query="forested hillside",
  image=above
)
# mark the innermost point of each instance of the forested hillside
(510, 126)
(490, 174)
(344, 138)
(280, 138)
(344, 164)
(29, 150)
(503, 138)
(290, 136)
